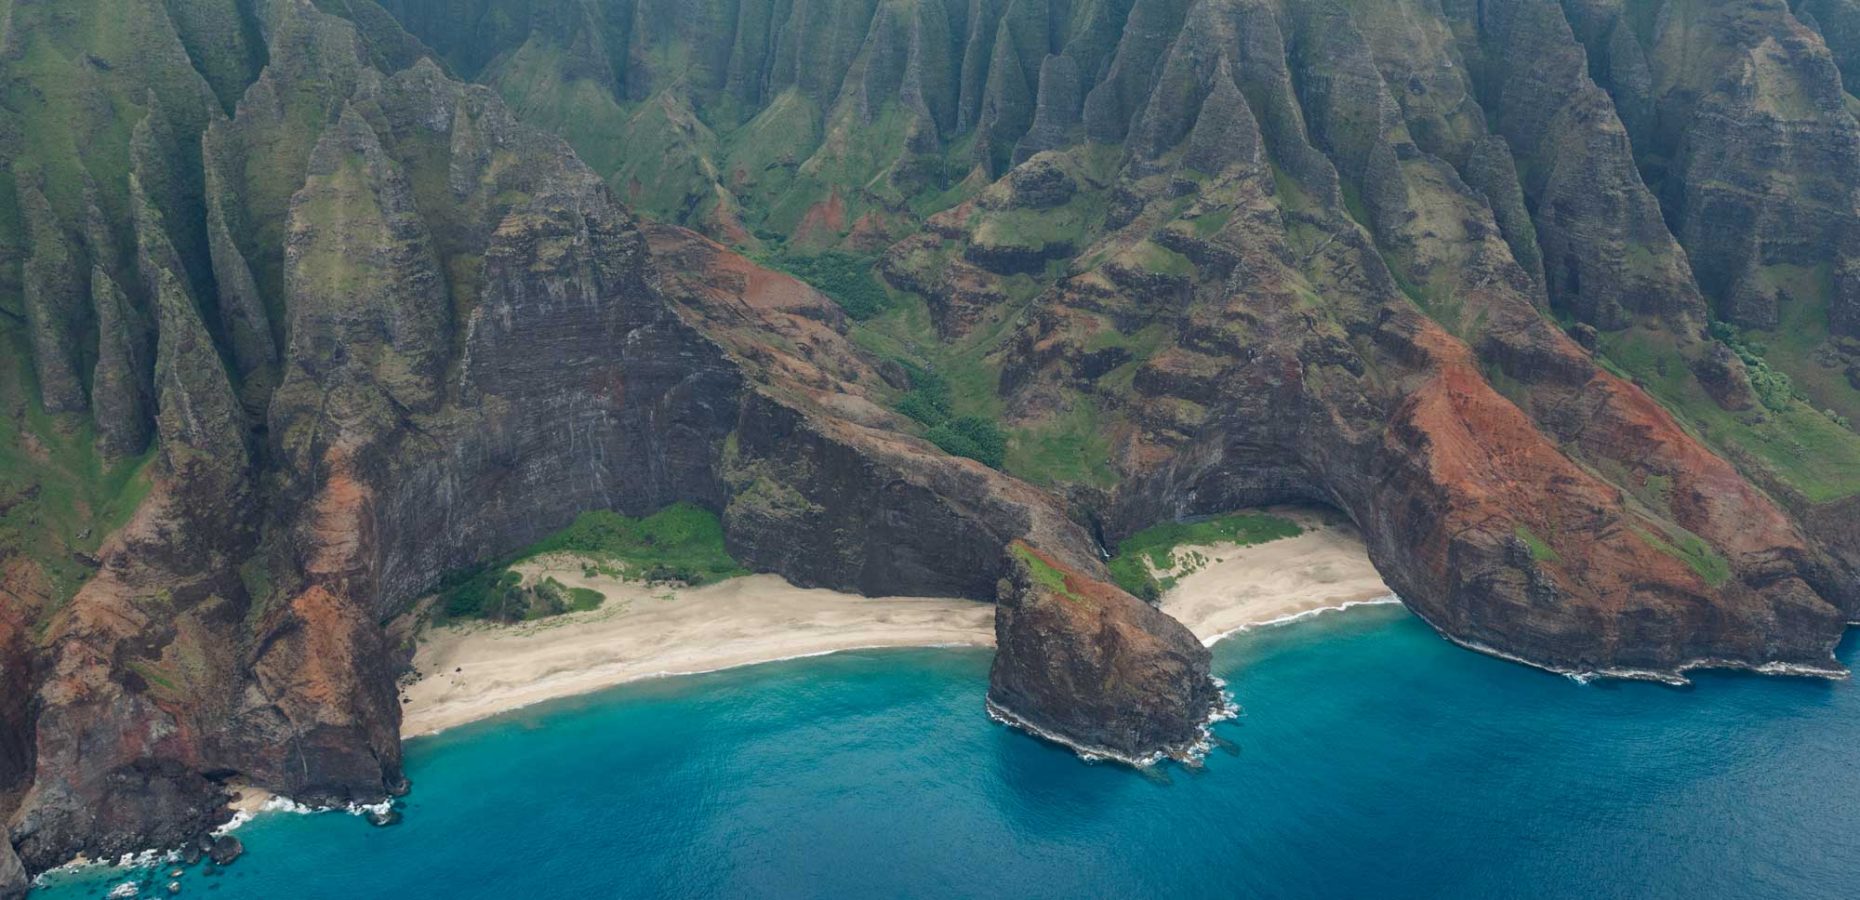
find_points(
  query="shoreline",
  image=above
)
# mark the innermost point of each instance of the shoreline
(1675, 677)
(1303, 614)
(475, 671)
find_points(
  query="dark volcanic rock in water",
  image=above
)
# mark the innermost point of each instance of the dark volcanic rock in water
(1083, 663)
(226, 849)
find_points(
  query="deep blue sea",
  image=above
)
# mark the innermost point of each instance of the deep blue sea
(1373, 760)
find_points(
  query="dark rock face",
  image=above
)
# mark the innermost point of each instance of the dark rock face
(120, 399)
(1041, 185)
(1084, 663)
(1723, 375)
(52, 294)
(835, 510)
(1056, 116)
(225, 850)
(13, 880)
(1758, 147)
(1607, 255)
(821, 486)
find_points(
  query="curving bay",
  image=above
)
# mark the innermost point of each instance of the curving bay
(1375, 759)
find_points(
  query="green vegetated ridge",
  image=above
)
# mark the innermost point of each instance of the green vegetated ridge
(79, 79)
(1155, 549)
(1541, 551)
(955, 391)
(59, 498)
(681, 543)
(1803, 448)
(1802, 346)
(1708, 563)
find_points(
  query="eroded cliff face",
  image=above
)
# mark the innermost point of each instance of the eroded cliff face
(13, 881)
(824, 484)
(1652, 168)
(1303, 283)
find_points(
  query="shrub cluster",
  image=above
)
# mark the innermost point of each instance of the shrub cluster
(1154, 547)
(970, 436)
(846, 278)
(1773, 387)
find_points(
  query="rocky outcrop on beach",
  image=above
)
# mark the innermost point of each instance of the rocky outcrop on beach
(1080, 662)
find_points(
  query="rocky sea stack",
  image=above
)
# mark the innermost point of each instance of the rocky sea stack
(1083, 663)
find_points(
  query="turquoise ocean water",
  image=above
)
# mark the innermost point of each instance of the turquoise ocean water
(1373, 760)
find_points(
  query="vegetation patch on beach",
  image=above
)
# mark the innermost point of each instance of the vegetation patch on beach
(1142, 555)
(680, 544)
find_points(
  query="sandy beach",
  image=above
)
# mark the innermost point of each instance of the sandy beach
(474, 671)
(1244, 587)
(470, 672)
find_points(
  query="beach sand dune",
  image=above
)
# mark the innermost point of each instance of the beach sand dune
(470, 672)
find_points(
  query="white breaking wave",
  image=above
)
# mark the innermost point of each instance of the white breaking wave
(1189, 755)
(149, 859)
(278, 804)
(1675, 676)
(1301, 615)
(142, 859)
